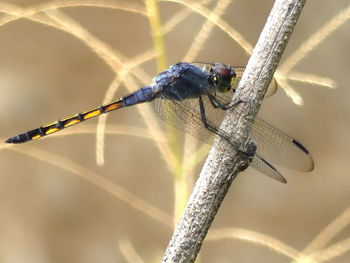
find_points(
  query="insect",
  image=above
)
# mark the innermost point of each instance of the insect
(194, 98)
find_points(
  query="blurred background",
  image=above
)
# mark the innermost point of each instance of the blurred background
(58, 205)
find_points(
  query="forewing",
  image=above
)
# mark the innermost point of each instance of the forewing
(278, 147)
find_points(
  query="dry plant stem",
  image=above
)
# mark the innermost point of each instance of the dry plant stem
(223, 163)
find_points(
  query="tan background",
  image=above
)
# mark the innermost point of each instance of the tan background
(48, 214)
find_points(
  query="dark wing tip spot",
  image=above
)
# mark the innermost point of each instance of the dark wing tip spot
(279, 178)
(283, 180)
(301, 147)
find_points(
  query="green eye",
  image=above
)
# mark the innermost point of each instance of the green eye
(233, 81)
(215, 78)
(225, 88)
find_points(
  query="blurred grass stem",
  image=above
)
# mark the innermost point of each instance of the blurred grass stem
(180, 186)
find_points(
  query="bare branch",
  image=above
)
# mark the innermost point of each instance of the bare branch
(223, 163)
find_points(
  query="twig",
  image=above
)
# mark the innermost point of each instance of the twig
(223, 163)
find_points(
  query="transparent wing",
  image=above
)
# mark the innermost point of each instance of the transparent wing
(261, 165)
(280, 148)
(185, 116)
(276, 146)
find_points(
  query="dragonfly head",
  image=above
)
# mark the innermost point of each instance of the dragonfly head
(222, 77)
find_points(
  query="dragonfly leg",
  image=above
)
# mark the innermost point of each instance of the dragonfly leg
(217, 104)
(248, 153)
(208, 126)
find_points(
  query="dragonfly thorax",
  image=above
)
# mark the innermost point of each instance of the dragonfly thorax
(181, 81)
(222, 77)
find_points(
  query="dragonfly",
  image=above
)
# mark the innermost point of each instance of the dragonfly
(194, 97)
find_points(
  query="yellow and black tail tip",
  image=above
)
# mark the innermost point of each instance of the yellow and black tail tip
(34, 134)
(64, 123)
(18, 138)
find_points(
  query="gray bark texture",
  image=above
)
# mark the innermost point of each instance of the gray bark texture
(223, 163)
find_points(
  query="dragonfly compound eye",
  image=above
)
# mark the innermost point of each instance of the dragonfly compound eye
(223, 77)
(233, 78)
